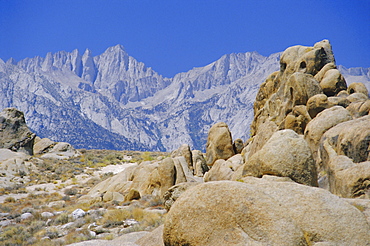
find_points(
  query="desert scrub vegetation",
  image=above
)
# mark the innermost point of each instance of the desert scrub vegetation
(146, 220)
(58, 185)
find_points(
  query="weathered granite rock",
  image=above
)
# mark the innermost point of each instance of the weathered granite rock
(267, 88)
(350, 138)
(359, 108)
(333, 82)
(184, 151)
(113, 196)
(357, 88)
(219, 143)
(14, 168)
(238, 146)
(132, 195)
(293, 86)
(42, 146)
(317, 103)
(224, 170)
(286, 154)
(298, 119)
(344, 152)
(14, 133)
(320, 75)
(254, 212)
(264, 133)
(346, 178)
(321, 123)
(357, 97)
(199, 163)
(167, 174)
(173, 193)
(153, 238)
(120, 182)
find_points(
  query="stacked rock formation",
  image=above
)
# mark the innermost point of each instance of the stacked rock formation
(309, 129)
(308, 125)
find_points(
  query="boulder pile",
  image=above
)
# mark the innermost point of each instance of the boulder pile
(303, 178)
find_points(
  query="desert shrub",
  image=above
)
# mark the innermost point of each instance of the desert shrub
(77, 236)
(147, 220)
(61, 219)
(146, 156)
(28, 210)
(15, 235)
(35, 226)
(5, 209)
(151, 201)
(9, 199)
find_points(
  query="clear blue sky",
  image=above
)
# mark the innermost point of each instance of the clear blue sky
(174, 36)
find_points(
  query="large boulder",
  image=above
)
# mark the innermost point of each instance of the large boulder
(350, 138)
(321, 123)
(61, 150)
(167, 174)
(263, 212)
(286, 154)
(264, 133)
(357, 88)
(219, 143)
(14, 133)
(333, 82)
(346, 178)
(359, 109)
(43, 145)
(344, 153)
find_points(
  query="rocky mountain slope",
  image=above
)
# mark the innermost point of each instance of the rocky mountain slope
(113, 101)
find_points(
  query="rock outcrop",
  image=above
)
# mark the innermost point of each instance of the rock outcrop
(224, 170)
(286, 154)
(344, 151)
(219, 143)
(153, 178)
(263, 212)
(14, 132)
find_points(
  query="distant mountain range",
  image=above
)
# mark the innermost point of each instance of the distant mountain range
(113, 101)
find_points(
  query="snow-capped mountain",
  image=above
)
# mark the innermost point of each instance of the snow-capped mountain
(114, 101)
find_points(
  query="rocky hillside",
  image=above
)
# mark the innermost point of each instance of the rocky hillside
(113, 101)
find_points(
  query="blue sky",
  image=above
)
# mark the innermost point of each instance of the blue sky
(174, 36)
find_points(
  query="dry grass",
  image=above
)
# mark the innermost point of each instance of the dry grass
(147, 220)
(63, 173)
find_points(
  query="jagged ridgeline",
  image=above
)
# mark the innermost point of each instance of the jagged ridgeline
(112, 101)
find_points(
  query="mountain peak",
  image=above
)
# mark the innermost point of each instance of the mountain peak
(116, 48)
